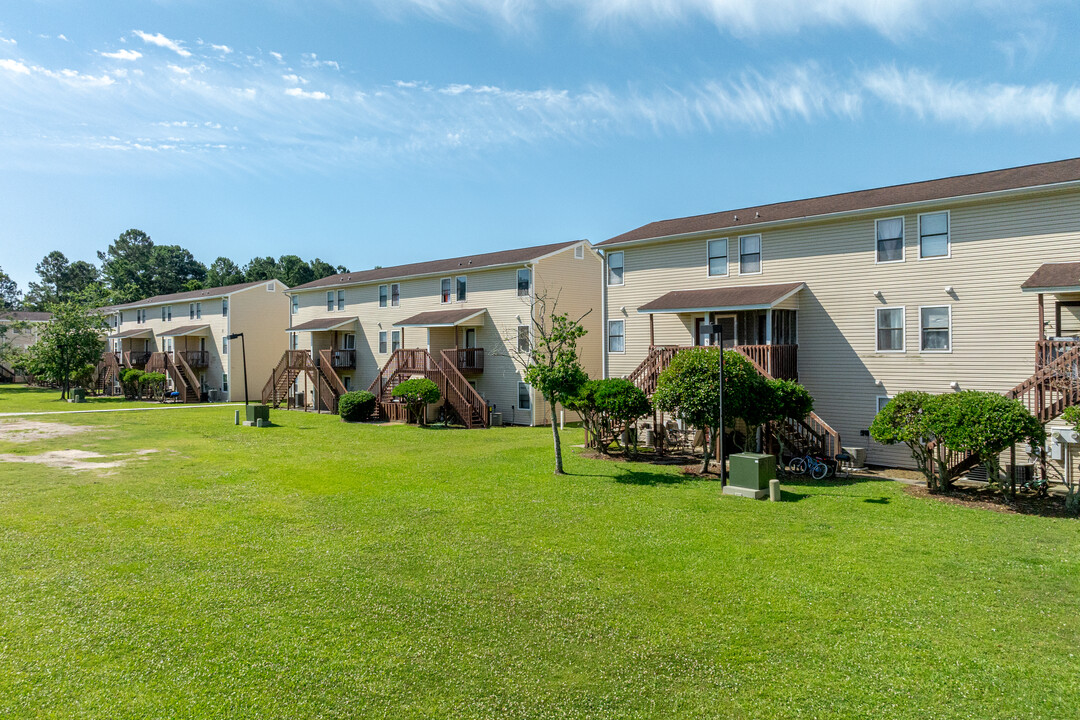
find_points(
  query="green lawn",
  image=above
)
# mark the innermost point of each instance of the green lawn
(323, 570)
(19, 398)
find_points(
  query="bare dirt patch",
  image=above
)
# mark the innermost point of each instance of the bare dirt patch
(75, 459)
(21, 431)
(988, 498)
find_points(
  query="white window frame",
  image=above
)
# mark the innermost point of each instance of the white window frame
(384, 296)
(457, 286)
(224, 344)
(903, 240)
(727, 257)
(760, 254)
(623, 335)
(903, 328)
(448, 297)
(395, 340)
(878, 406)
(224, 382)
(948, 235)
(524, 333)
(384, 342)
(935, 352)
(198, 311)
(340, 300)
(191, 311)
(224, 307)
(528, 282)
(622, 267)
(528, 394)
(163, 312)
(395, 294)
(579, 252)
(295, 304)
(329, 301)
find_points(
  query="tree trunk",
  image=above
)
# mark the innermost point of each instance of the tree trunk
(707, 448)
(558, 441)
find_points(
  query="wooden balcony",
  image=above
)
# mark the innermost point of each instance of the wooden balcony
(196, 358)
(343, 359)
(780, 361)
(467, 360)
(136, 359)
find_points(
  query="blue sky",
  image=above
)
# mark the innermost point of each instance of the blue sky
(376, 133)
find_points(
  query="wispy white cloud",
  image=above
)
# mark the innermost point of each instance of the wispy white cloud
(312, 60)
(163, 42)
(14, 66)
(8, 41)
(294, 79)
(301, 93)
(222, 48)
(122, 54)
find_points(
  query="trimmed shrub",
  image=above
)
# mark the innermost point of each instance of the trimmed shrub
(417, 394)
(356, 406)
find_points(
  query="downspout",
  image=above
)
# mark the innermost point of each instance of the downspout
(532, 308)
(603, 317)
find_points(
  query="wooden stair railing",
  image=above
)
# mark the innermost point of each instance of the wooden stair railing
(292, 365)
(326, 367)
(467, 403)
(189, 374)
(1054, 386)
(812, 434)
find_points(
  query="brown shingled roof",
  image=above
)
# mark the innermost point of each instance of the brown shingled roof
(1054, 275)
(1028, 176)
(450, 265)
(439, 318)
(727, 298)
(189, 295)
(327, 323)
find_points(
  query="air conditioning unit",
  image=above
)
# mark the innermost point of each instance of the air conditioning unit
(496, 419)
(1024, 472)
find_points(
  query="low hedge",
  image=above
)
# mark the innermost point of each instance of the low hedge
(356, 406)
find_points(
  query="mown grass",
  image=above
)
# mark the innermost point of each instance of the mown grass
(20, 398)
(319, 569)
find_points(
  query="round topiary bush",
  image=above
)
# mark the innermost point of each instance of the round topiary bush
(356, 406)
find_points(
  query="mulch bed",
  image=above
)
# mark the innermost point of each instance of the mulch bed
(987, 498)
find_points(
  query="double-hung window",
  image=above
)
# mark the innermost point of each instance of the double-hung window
(462, 288)
(934, 235)
(750, 255)
(523, 344)
(191, 311)
(224, 344)
(224, 307)
(383, 295)
(329, 300)
(935, 329)
(395, 295)
(198, 311)
(615, 268)
(295, 304)
(890, 329)
(224, 382)
(395, 340)
(718, 253)
(340, 299)
(524, 281)
(382, 342)
(163, 312)
(445, 290)
(890, 240)
(616, 338)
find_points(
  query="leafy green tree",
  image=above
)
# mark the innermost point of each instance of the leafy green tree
(223, 271)
(261, 268)
(1072, 482)
(71, 340)
(984, 424)
(691, 388)
(417, 394)
(904, 419)
(60, 281)
(551, 364)
(127, 266)
(293, 271)
(174, 270)
(614, 403)
(9, 292)
(321, 269)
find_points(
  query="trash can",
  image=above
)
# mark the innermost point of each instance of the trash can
(749, 474)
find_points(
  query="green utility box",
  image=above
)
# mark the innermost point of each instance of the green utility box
(78, 395)
(751, 471)
(257, 412)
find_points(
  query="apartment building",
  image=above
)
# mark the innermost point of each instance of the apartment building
(187, 336)
(459, 321)
(23, 329)
(966, 282)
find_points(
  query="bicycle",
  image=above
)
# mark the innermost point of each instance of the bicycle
(810, 465)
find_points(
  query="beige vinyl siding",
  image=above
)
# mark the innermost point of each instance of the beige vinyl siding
(995, 246)
(261, 315)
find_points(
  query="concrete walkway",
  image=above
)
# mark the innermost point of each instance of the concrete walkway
(105, 410)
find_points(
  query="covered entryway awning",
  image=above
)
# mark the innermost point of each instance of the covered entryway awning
(187, 330)
(129, 334)
(743, 297)
(1061, 331)
(324, 324)
(1053, 278)
(445, 318)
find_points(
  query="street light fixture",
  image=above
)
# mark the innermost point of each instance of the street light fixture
(243, 355)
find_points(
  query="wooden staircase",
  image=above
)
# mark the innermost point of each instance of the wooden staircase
(811, 434)
(326, 384)
(404, 364)
(184, 380)
(106, 373)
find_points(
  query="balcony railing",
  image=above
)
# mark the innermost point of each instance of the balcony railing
(467, 359)
(196, 358)
(1047, 351)
(137, 358)
(343, 359)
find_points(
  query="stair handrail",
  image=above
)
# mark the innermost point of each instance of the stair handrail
(326, 368)
(192, 378)
(1041, 385)
(468, 399)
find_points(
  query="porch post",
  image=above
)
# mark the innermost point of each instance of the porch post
(1041, 319)
(768, 326)
(652, 330)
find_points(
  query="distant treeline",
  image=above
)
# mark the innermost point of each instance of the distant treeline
(133, 267)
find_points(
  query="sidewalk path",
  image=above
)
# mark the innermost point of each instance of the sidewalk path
(137, 409)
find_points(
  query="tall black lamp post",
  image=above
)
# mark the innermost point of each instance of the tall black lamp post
(717, 332)
(243, 355)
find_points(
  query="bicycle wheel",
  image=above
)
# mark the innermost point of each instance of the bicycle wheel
(797, 466)
(819, 471)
